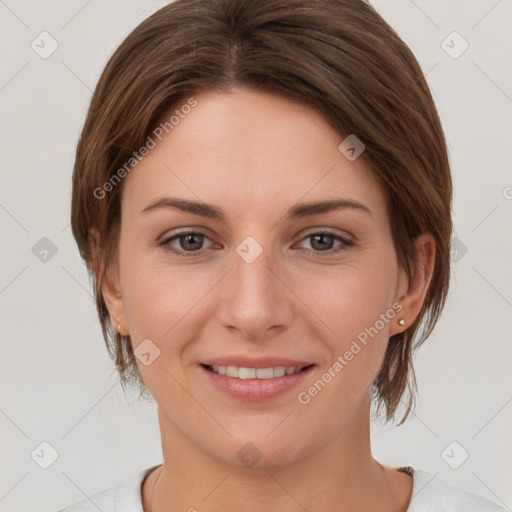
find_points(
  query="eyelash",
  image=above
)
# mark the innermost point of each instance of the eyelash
(346, 244)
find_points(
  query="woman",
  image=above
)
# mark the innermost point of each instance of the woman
(262, 194)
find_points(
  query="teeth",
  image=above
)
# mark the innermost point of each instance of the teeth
(255, 373)
(231, 371)
(279, 371)
(246, 373)
(264, 373)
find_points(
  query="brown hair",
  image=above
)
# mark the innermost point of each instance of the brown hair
(339, 57)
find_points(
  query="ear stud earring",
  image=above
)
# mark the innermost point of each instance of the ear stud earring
(401, 322)
(118, 324)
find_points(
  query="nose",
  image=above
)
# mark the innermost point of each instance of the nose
(255, 298)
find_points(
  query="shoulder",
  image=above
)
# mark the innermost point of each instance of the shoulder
(123, 497)
(430, 493)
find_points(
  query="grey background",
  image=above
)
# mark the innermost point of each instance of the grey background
(58, 383)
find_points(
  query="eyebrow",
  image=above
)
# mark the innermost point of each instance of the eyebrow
(214, 212)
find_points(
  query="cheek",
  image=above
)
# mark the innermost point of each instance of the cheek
(351, 298)
(158, 300)
(162, 305)
(353, 307)
(165, 302)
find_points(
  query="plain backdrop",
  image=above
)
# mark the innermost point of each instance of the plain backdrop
(57, 381)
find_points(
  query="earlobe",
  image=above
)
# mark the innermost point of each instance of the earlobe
(417, 286)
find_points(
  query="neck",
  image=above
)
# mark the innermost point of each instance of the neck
(340, 475)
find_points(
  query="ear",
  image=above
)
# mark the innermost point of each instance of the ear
(110, 288)
(411, 292)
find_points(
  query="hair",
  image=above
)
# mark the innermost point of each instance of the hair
(337, 56)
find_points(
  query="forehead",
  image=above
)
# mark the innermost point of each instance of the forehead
(249, 149)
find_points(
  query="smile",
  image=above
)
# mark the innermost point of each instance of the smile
(249, 384)
(240, 372)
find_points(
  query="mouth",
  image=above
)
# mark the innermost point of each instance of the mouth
(254, 384)
(245, 373)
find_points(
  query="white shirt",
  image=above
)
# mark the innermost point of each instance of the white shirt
(429, 494)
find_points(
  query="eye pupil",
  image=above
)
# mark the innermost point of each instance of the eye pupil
(321, 238)
(190, 237)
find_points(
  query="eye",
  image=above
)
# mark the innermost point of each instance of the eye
(190, 243)
(322, 241)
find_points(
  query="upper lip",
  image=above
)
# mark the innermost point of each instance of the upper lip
(255, 362)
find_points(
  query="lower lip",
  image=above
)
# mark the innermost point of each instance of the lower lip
(255, 390)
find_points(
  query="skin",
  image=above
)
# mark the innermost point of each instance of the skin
(255, 155)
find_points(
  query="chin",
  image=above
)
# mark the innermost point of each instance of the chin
(259, 450)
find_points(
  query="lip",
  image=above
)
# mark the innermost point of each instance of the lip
(254, 362)
(256, 390)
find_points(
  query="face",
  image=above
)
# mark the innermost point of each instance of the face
(262, 283)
